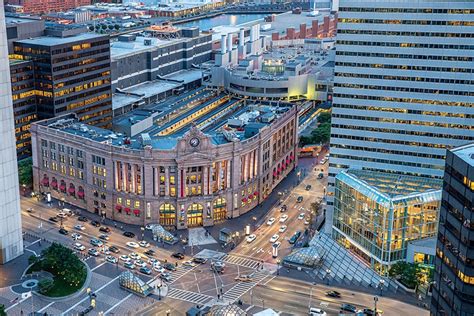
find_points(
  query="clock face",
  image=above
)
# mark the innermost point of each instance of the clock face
(194, 142)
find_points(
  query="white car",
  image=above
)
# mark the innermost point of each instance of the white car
(124, 258)
(132, 244)
(306, 222)
(140, 263)
(153, 261)
(61, 215)
(274, 238)
(282, 228)
(316, 312)
(271, 221)
(76, 236)
(149, 226)
(79, 246)
(111, 259)
(135, 256)
(188, 263)
(79, 227)
(93, 252)
(144, 244)
(283, 218)
(301, 216)
(251, 238)
(159, 268)
(277, 244)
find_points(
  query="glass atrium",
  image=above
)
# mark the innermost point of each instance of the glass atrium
(376, 214)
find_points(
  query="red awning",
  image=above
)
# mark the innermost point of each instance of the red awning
(118, 207)
(62, 187)
(255, 193)
(80, 194)
(136, 212)
(71, 190)
(275, 173)
(250, 196)
(45, 182)
(279, 169)
(54, 183)
(127, 210)
(288, 160)
(244, 200)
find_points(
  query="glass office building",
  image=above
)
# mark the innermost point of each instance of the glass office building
(376, 214)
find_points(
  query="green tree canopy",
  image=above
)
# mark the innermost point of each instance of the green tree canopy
(25, 172)
(324, 117)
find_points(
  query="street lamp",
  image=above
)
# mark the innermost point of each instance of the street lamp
(143, 232)
(159, 290)
(381, 283)
(375, 304)
(24, 189)
(328, 272)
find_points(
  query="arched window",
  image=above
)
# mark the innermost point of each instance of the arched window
(194, 216)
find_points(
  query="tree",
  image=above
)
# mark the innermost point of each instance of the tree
(324, 117)
(103, 26)
(409, 274)
(321, 134)
(315, 207)
(91, 28)
(2, 310)
(111, 27)
(305, 140)
(33, 259)
(25, 172)
(117, 27)
(45, 285)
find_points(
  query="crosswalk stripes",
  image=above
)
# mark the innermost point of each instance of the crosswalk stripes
(235, 292)
(188, 296)
(244, 262)
(180, 271)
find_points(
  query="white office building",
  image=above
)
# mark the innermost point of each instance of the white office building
(11, 240)
(404, 85)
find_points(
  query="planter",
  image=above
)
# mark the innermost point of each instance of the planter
(408, 290)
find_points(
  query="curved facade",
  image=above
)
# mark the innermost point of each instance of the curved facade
(194, 181)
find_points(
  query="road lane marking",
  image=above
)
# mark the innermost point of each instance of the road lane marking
(100, 265)
(85, 298)
(118, 303)
(46, 307)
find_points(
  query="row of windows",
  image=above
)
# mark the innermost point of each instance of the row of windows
(388, 141)
(404, 78)
(388, 151)
(404, 111)
(400, 121)
(403, 89)
(407, 10)
(405, 67)
(406, 45)
(405, 33)
(409, 22)
(400, 100)
(403, 132)
(98, 160)
(390, 162)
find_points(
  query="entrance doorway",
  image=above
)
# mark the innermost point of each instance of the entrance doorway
(194, 215)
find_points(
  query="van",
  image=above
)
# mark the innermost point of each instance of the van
(66, 211)
(316, 312)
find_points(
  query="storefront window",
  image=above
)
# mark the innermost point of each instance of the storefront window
(167, 215)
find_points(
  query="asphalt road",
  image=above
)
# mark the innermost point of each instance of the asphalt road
(261, 247)
(294, 297)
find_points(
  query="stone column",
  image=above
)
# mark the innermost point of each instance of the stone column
(11, 239)
(167, 181)
(218, 174)
(211, 182)
(124, 176)
(205, 180)
(227, 175)
(134, 179)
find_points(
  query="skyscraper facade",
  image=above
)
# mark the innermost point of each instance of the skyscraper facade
(72, 74)
(403, 88)
(11, 240)
(453, 291)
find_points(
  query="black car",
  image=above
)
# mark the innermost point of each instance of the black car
(308, 187)
(299, 199)
(104, 229)
(54, 219)
(95, 223)
(114, 249)
(348, 308)
(199, 260)
(283, 208)
(177, 255)
(294, 238)
(129, 234)
(333, 294)
(169, 266)
(150, 253)
(82, 219)
(62, 231)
